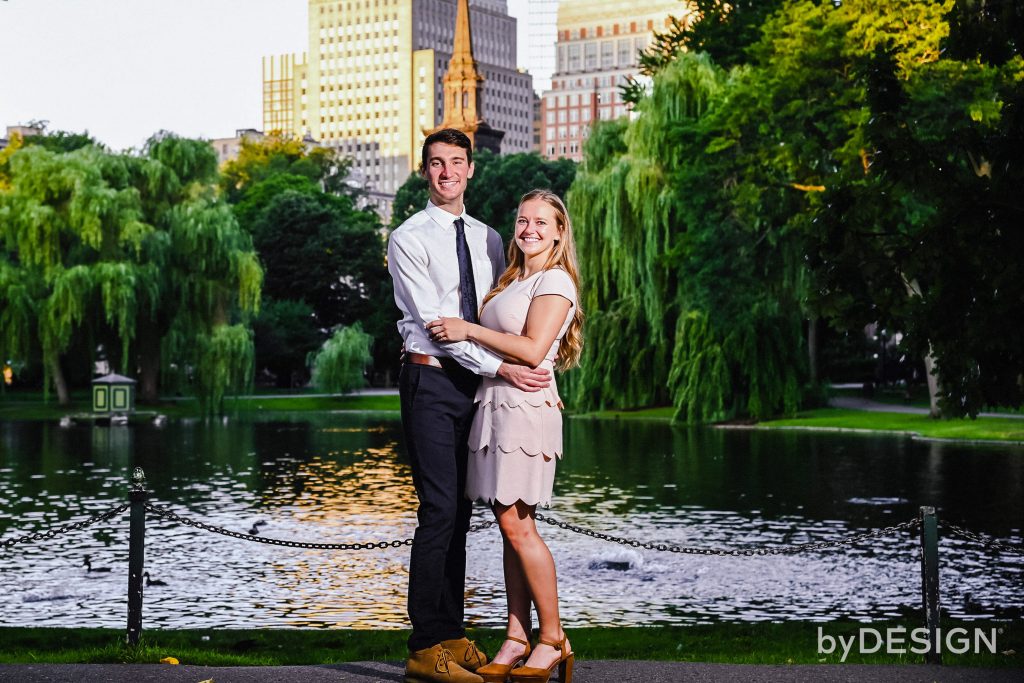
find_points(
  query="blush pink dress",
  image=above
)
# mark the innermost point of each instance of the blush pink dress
(516, 436)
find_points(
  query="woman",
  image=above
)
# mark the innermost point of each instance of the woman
(531, 317)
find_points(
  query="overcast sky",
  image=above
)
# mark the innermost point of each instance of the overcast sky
(124, 69)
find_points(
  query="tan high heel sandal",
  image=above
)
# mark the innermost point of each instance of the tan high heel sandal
(533, 674)
(498, 673)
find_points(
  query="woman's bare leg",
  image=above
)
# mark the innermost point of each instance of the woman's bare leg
(517, 595)
(519, 530)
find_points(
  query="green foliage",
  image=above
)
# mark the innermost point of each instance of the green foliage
(224, 364)
(658, 235)
(846, 171)
(986, 31)
(500, 182)
(411, 197)
(722, 30)
(726, 30)
(276, 155)
(285, 333)
(114, 248)
(339, 366)
(61, 141)
(317, 248)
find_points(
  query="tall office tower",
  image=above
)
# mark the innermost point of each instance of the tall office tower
(597, 50)
(373, 81)
(463, 88)
(541, 34)
(284, 95)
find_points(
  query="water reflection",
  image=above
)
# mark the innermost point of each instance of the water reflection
(342, 478)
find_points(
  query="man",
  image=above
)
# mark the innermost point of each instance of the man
(443, 262)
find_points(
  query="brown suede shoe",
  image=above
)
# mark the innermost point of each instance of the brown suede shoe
(467, 655)
(436, 665)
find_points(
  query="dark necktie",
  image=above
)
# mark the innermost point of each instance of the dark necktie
(467, 285)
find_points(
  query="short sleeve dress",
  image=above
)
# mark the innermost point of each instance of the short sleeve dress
(516, 436)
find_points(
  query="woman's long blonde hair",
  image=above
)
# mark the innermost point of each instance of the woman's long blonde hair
(563, 255)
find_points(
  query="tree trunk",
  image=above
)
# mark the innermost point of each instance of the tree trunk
(812, 349)
(148, 345)
(914, 289)
(59, 383)
(933, 384)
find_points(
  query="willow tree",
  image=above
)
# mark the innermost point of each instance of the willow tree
(210, 275)
(680, 281)
(70, 240)
(340, 364)
(846, 170)
(133, 250)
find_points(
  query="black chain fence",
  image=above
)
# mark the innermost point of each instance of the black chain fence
(53, 533)
(911, 525)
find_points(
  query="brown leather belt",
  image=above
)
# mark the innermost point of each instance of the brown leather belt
(432, 361)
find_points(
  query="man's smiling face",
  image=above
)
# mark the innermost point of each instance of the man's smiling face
(448, 172)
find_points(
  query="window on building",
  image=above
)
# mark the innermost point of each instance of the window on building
(574, 58)
(607, 54)
(625, 46)
(590, 60)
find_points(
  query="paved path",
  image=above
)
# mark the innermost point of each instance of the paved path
(854, 403)
(370, 391)
(586, 672)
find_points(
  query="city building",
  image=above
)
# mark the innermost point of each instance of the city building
(285, 82)
(21, 131)
(227, 148)
(541, 34)
(463, 89)
(371, 82)
(597, 51)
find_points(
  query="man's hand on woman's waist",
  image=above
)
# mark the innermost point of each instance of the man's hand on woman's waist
(525, 378)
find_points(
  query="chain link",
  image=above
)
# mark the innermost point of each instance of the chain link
(909, 525)
(737, 552)
(663, 547)
(167, 514)
(53, 533)
(988, 543)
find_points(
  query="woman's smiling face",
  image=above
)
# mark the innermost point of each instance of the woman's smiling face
(536, 227)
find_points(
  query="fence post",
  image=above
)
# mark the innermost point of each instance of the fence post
(136, 554)
(930, 582)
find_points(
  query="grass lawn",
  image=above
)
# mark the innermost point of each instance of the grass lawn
(981, 429)
(24, 408)
(662, 414)
(763, 643)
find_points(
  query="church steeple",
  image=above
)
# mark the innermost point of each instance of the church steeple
(463, 87)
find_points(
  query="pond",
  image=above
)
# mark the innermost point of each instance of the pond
(343, 477)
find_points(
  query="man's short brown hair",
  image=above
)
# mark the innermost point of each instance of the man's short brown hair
(448, 136)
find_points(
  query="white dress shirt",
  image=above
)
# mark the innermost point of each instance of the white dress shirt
(425, 270)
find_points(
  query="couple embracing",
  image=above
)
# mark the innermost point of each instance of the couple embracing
(481, 412)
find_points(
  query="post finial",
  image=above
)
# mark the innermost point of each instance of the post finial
(138, 479)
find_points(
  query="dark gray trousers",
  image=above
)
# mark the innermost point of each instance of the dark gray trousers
(437, 410)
